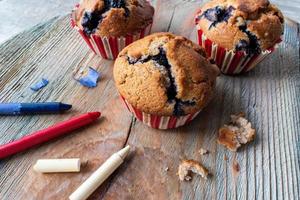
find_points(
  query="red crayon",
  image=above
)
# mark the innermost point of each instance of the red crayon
(47, 134)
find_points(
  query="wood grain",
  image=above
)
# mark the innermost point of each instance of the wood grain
(269, 95)
(49, 51)
(22, 16)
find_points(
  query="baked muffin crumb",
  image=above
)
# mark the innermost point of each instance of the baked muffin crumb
(187, 166)
(238, 132)
(203, 151)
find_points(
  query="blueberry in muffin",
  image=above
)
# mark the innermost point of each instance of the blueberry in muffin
(90, 22)
(251, 46)
(217, 15)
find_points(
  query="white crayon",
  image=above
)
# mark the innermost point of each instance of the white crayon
(57, 165)
(100, 175)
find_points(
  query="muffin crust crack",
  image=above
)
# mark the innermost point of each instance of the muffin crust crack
(250, 47)
(91, 19)
(161, 60)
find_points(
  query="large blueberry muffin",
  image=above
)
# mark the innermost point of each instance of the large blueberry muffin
(113, 18)
(251, 26)
(165, 75)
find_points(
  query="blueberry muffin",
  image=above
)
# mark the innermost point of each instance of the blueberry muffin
(165, 75)
(107, 19)
(249, 26)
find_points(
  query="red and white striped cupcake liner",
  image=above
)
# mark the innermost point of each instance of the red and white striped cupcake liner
(231, 61)
(108, 47)
(160, 122)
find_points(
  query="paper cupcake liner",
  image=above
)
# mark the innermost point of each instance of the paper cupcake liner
(160, 122)
(108, 47)
(231, 61)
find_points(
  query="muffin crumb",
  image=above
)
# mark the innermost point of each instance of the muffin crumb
(187, 166)
(238, 132)
(203, 151)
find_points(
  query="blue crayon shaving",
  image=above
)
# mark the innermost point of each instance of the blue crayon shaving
(90, 78)
(39, 85)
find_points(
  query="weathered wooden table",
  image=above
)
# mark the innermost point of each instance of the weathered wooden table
(269, 95)
(20, 16)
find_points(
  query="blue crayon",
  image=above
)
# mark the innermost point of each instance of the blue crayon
(32, 108)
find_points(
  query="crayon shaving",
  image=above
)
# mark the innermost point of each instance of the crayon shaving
(39, 85)
(89, 78)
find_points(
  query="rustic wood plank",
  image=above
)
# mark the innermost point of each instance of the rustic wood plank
(22, 16)
(269, 95)
(48, 51)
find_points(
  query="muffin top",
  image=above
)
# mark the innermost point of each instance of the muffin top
(113, 17)
(165, 75)
(246, 25)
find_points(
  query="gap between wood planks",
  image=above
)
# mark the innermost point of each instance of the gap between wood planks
(132, 122)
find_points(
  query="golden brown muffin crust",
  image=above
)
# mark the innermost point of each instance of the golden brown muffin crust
(113, 17)
(250, 25)
(164, 74)
(251, 6)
